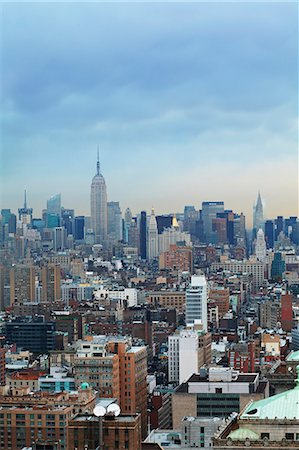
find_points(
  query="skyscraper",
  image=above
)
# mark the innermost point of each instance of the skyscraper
(258, 215)
(269, 233)
(114, 221)
(142, 235)
(260, 246)
(22, 284)
(209, 212)
(54, 204)
(196, 301)
(98, 206)
(127, 224)
(51, 277)
(152, 237)
(25, 213)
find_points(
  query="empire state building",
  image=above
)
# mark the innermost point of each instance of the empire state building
(98, 206)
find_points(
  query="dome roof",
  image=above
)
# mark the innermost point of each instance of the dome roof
(281, 406)
(84, 386)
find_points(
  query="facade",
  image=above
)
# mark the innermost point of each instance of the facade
(286, 312)
(2, 366)
(98, 207)
(260, 246)
(34, 335)
(173, 236)
(122, 432)
(79, 228)
(51, 278)
(197, 432)
(269, 233)
(40, 418)
(114, 224)
(168, 299)
(128, 295)
(57, 381)
(188, 350)
(219, 296)
(94, 364)
(247, 266)
(24, 378)
(22, 284)
(143, 235)
(59, 239)
(132, 376)
(196, 302)
(216, 392)
(152, 242)
(178, 257)
(209, 212)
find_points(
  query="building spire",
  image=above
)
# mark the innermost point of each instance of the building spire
(25, 200)
(98, 162)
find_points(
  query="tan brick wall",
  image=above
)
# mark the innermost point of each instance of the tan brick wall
(182, 405)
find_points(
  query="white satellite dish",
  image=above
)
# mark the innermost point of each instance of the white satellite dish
(99, 411)
(113, 409)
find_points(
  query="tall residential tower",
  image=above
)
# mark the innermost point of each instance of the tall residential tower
(98, 206)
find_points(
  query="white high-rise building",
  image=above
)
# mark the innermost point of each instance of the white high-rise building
(98, 206)
(152, 237)
(196, 302)
(182, 355)
(260, 246)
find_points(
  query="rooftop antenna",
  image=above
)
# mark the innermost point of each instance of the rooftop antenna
(98, 162)
(25, 200)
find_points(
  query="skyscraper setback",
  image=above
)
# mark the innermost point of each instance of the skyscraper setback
(98, 206)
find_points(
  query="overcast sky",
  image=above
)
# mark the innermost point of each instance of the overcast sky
(187, 101)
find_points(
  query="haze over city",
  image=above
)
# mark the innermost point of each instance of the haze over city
(188, 102)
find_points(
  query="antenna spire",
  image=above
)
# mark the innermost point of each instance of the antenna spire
(25, 200)
(98, 162)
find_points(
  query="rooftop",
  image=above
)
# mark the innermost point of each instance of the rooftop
(284, 406)
(293, 356)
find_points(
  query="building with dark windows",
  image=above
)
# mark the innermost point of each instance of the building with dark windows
(216, 392)
(209, 212)
(35, 335)
(142, 235)
(269, 233)
(79, 228)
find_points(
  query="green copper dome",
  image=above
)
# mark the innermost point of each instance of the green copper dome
(281, 406)
(84, 386)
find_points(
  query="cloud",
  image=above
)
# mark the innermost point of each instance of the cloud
(161, 87)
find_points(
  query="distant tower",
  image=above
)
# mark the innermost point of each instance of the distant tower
(25, 213)
(54, 205)
(127, 224)
(258, 214)
(152, 237)
(142, 235)
(98, 206)
(260, 246)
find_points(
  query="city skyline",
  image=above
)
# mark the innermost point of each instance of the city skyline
(206, 111)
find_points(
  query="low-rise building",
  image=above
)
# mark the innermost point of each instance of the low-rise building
(216, 392)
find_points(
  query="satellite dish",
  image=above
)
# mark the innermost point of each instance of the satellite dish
(99, 411)
(113, 409)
